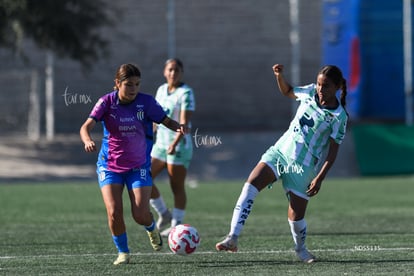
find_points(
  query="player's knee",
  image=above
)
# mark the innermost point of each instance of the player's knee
(115, 216)
(142, 218)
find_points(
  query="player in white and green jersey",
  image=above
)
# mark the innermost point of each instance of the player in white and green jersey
(301, 157)
(174, 104)
(311, 128)
(170, 151)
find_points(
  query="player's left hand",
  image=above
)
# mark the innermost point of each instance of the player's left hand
(171, 149)
(183, 129)
(314, 187)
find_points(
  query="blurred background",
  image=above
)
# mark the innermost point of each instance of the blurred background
(59, 57)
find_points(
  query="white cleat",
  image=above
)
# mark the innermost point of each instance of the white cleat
(123, 258)
(304, 255)
(167, 231)
(229, 244)
(164, 220)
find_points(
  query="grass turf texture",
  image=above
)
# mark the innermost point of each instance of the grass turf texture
(355, 227)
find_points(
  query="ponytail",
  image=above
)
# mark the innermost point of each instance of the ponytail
(344, 92)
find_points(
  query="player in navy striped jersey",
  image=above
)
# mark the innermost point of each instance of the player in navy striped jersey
(301, 158)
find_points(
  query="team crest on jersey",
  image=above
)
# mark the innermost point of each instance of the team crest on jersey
(329, 117)
(306, 120)
(140, 115)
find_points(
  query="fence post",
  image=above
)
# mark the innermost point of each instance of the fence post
(33, 122)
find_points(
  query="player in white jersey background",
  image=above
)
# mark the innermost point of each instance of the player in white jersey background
(171, 151)
(301, 158)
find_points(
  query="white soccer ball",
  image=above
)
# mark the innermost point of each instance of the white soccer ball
(183, 239)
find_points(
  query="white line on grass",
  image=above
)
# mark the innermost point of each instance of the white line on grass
(205, 253)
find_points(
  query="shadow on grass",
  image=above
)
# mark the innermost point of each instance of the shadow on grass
(368, 232)
(240, 263)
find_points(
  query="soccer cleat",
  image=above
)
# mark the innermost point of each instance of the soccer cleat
(229, 244)
(167, 231)
(164, 219)
(305, 256)
(123, 258)
(155, 239)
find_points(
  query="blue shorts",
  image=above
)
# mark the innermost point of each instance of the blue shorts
(135, 178)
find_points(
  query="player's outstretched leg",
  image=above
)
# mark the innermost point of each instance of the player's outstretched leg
(240, 214)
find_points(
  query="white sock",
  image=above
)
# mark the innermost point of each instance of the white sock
(177, 216)
(159, 205)
(243, 208)
(298, 229)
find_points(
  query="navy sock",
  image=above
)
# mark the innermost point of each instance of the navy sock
(151, 227)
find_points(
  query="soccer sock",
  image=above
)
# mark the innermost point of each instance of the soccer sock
(177, 216)
(243, 208)
(159, 205)
(151, 227)
(121, 243)
(298, 229)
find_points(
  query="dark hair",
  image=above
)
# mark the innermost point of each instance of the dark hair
(126, 71)
(176, 60)
(335, 74)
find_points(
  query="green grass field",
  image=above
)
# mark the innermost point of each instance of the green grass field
(355, 227)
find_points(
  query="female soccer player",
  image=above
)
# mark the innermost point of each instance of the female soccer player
(173, 150)
(297, 158)
(126, 114)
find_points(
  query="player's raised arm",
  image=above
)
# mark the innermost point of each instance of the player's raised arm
(285, 88)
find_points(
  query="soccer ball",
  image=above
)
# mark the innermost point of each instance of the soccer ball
(183, 239)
